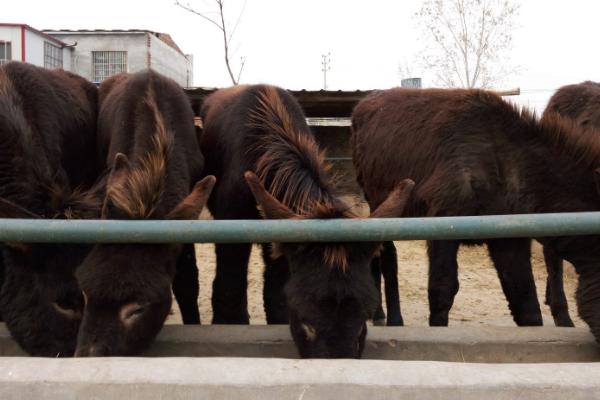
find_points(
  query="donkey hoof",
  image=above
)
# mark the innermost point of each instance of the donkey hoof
(564, 321)
(530, 320)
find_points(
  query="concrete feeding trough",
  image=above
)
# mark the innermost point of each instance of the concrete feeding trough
(260, 362)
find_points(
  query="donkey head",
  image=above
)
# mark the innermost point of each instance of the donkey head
(127, 287)
(40, 299)
(330, 293)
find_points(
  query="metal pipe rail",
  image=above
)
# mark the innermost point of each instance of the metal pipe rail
(332, 230)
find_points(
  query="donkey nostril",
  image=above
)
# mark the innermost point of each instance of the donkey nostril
(80, 352)
(98, 350)
(95, 350)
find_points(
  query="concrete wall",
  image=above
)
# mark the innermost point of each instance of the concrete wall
(143, 50)
(67, 58)
(12, 34)
(545, 363)
(265, 379)
(485, 344)
(133, 43)
(34, 48)
(170, 62)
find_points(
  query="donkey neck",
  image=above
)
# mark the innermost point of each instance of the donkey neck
(563, 175)
(564, 160)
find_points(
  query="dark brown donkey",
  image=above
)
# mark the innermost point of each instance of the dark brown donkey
(47, 136)
(471, 153)
(146, 124)
(580, 102)
(260, 133)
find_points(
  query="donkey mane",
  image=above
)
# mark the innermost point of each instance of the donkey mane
(290, 163)
(24, 168)
(138, 193)
(295, 169)
(581, 144)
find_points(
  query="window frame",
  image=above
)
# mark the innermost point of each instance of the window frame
(53, 55)
(106, 63)
(6, 44)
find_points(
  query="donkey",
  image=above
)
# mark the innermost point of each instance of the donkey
(47, 131)
(471, 153)
(258, 145)
(580, 102)
(146, 124)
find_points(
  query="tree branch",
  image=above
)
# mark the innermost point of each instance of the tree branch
(222, 26)
(198, 13)
(242, 63)
(237, 22)
(468, 39)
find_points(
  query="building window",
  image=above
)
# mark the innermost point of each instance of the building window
(53, 56)
(5, 52)
(108, 63)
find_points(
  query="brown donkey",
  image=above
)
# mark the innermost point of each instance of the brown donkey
(580, 102)
(471, 153)
(258, 145)
(47, 136)
(146, 126)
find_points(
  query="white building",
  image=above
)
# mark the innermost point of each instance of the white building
(20, 42)
(98, 54)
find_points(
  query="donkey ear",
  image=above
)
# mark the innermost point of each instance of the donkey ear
(394, 205)
(120, 167)
(9, 209)
(270, 207)
(191, 206)
(118, 172)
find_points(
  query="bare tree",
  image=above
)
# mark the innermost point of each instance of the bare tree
(228, 32)
(405, 68)
(468, 41)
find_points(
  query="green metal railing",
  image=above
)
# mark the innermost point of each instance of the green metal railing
(336, 230)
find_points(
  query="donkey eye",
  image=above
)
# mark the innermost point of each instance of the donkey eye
(130, 312)
(137, 311)
(309, 331)
(65, 311)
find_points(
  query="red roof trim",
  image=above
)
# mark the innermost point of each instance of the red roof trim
(45, 35)
(23, 44)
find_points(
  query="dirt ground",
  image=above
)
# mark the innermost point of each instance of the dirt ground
(479, 301)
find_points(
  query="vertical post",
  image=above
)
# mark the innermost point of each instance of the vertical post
(325, 66)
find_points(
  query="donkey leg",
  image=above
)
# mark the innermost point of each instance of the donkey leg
(230, 297)
(512, 259)
(389, 268)
(186, 287)
(588, 298)
(277, 272)
(443, 279)
(555, 292)
(379, 315)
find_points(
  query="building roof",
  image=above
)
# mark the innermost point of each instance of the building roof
(164, 37)
(41, 33)
(319, 105)
(316, 103)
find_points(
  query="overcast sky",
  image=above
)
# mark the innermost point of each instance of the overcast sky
(282, 40)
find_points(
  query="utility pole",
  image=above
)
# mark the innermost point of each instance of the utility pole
(325, 67)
